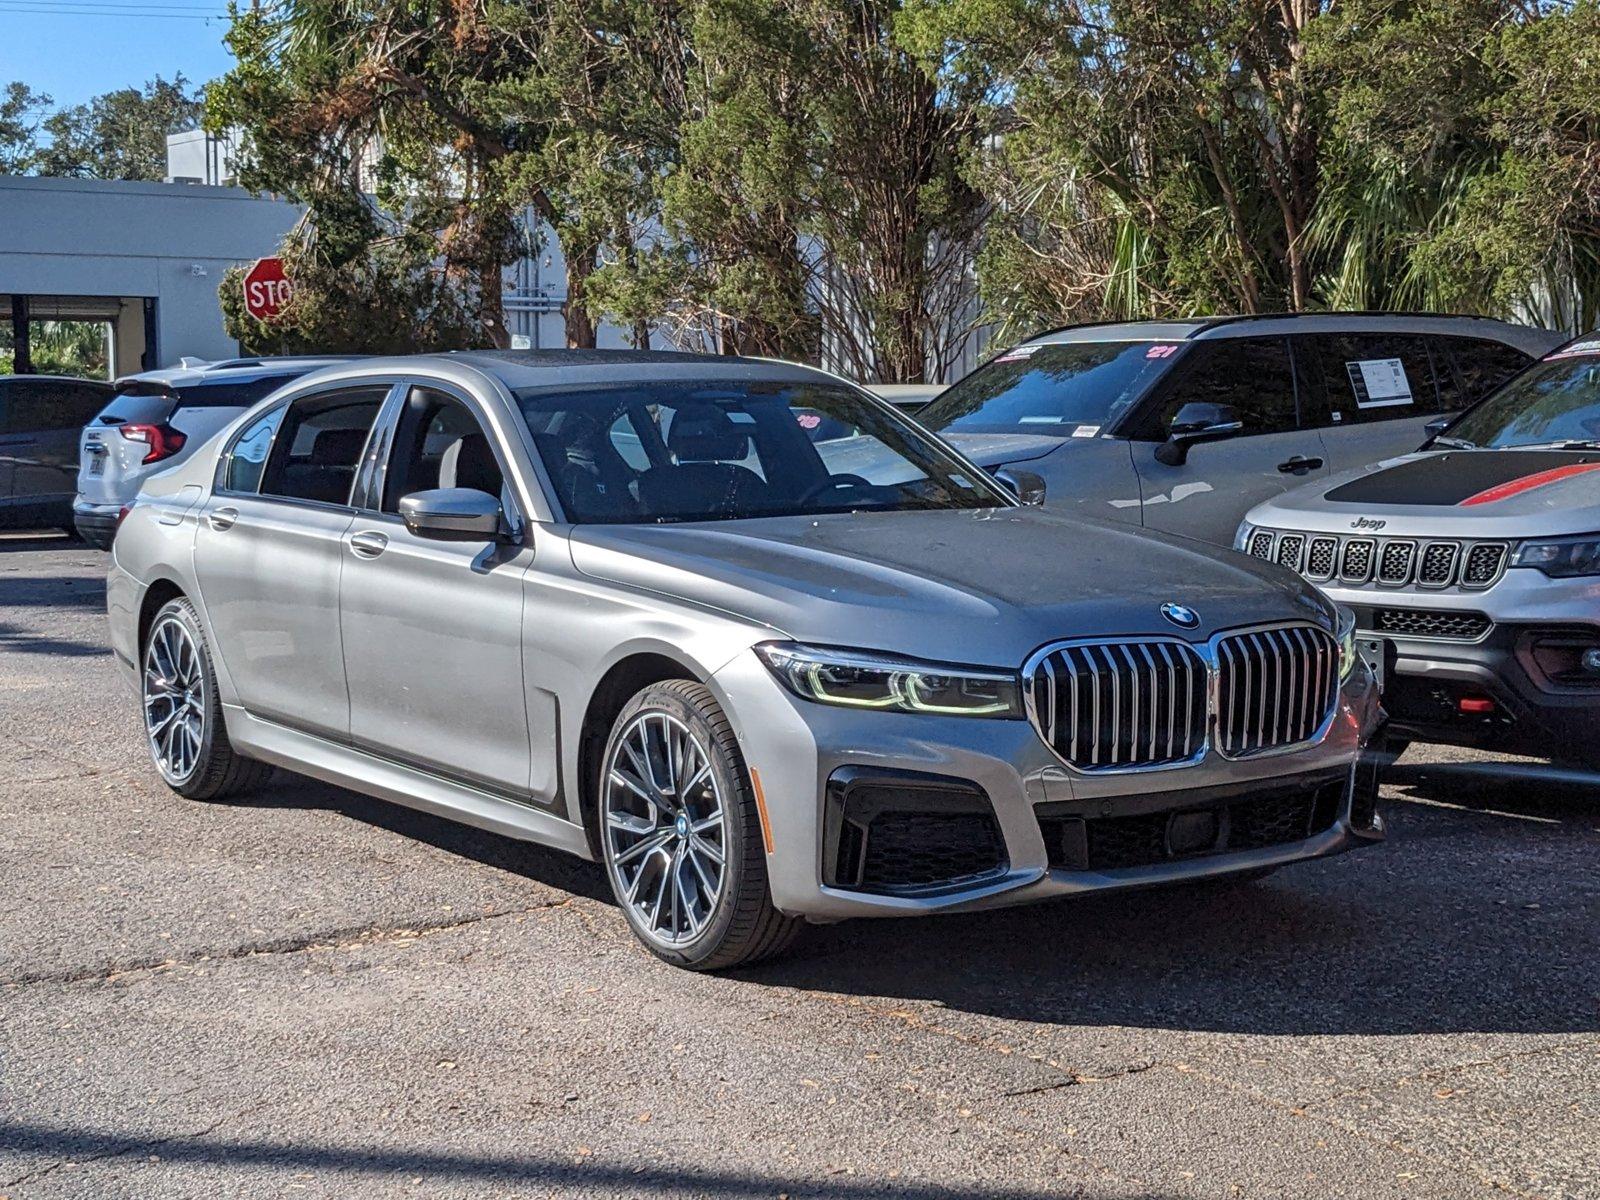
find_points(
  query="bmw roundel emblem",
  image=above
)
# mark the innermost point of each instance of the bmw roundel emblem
(1181, 615)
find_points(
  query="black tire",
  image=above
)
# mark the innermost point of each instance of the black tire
(217, 770)
(742, 926)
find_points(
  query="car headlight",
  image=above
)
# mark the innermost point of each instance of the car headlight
(865, 679)
(1346, 633)
(1241, 537)
(1561, 558)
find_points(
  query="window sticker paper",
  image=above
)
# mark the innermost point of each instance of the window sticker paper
(1379, 382)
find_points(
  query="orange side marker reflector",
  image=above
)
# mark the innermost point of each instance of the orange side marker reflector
(761, 809)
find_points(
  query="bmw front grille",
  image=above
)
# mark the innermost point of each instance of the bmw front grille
(1147, 704)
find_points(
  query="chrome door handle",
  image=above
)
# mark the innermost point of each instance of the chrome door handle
(1299, 464)
(368, 544)
(222, 518)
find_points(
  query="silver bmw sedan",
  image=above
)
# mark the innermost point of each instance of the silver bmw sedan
(763, 647)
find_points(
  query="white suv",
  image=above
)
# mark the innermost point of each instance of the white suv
(157, 419)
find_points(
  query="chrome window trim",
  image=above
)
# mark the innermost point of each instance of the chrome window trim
(1208, 652)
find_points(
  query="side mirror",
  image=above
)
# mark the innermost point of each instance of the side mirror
(1434, 428)
(453, 515)
(1197, 421)
(1024, 485)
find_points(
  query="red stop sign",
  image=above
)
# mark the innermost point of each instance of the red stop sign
(266, 289)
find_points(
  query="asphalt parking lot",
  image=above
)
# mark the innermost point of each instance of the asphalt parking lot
(311, 993)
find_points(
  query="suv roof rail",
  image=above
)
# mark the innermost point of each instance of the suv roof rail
(1203, 323)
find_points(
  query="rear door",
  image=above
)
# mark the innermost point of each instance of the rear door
(269, 551)
(1375, 392)
(1206, 496)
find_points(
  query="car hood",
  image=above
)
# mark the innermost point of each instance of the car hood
(1461, 493)
(998, 449)
(982, 586)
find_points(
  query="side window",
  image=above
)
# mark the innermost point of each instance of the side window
(1481, 367)
(247, 457)
(35, 406)
(1254, 375)
(319, 445)
(439, 444)
(1373, 376)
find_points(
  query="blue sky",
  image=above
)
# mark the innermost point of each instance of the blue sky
(75, 49)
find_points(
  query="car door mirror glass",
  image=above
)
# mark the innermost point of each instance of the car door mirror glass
(1435, 427)
(453, 515)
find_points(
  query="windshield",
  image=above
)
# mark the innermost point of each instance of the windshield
(1072, 388)
(719, 450)
(1555, 401)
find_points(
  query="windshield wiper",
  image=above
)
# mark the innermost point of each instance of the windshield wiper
(1454, 443)
(1563, 444)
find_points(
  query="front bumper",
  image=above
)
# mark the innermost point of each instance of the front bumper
(800, 751)
(96, 523)
(1536, 708)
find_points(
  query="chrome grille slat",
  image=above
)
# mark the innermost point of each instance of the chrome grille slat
(1276, 687)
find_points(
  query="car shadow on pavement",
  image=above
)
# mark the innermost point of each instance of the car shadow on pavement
(1460, 923)
(549, 1175)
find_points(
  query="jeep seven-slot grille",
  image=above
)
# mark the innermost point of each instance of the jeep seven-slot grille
(1394, 564)
(1483, 564)
(1104, 705)
(1387, 562)
(1438, 564)
(1319, 559)
(1275, 687)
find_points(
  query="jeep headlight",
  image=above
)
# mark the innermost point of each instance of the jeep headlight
(1241, 536)
(1346, 633)
(866, 679)
(1561, 558)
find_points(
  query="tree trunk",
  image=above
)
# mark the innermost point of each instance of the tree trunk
(491, 297)
(580, 326)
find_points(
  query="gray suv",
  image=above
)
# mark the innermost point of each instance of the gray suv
(630, 606)
(1183, 425)
(1473, 566)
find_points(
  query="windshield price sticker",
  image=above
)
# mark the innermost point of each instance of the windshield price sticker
(1162, 351)
(1578, 348)
(1379, 382)
(1018, 354)
(1086, 431)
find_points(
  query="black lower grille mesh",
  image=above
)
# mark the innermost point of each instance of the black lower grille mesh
(917, 849)
(1420, 622)
(1144, 839)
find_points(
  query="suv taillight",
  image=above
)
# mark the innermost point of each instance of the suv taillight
(164, 441)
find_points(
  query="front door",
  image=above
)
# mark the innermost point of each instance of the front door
(1208, 494)
(432, 629)
(269, 551)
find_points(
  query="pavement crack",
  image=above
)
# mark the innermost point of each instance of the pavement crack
(1077, 1079)
(319, 940)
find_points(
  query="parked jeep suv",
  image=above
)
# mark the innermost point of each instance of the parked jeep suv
(159, 418)
(1183, 425)
(1474, 567)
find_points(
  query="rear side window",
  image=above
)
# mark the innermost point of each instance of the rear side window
(241, 394)
(247, 457)
(33, 405)
(1253, 375)
(1370, 377)
(1481, 367)
(319, 444)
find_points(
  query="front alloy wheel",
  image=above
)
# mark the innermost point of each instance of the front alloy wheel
(679, 832)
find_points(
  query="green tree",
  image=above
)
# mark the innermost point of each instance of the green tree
(22, 111)
(119, 135)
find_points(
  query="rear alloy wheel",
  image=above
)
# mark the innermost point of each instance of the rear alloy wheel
(183, 724)
(680, 836)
